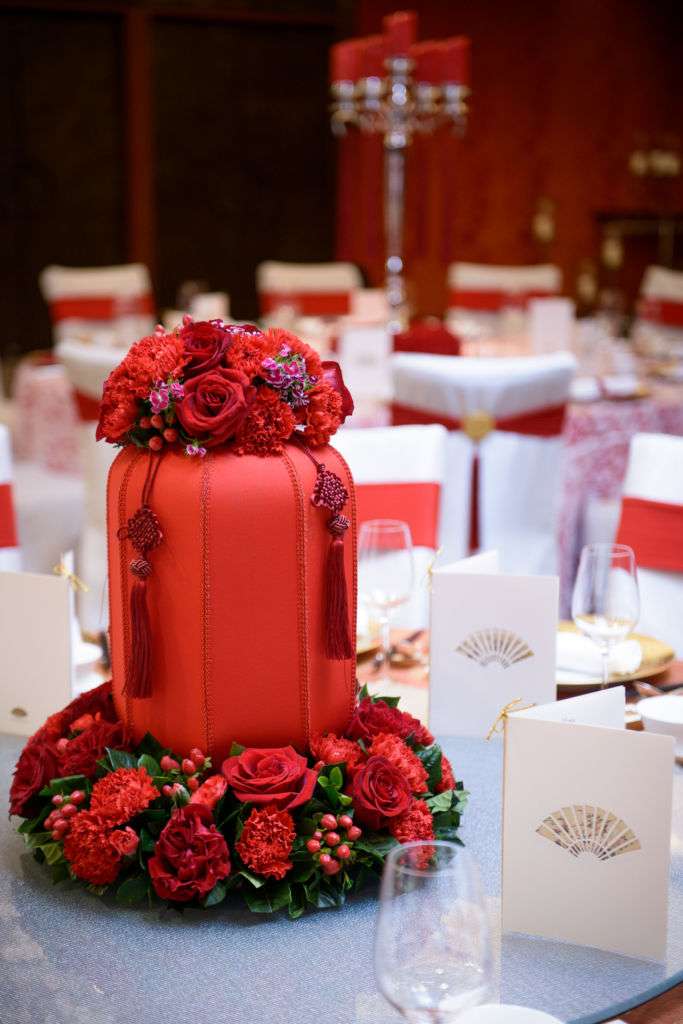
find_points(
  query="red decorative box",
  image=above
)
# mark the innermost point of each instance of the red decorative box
(235, 599)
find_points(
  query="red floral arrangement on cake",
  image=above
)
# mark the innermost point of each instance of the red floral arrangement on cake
(210, 383)
(282, 830)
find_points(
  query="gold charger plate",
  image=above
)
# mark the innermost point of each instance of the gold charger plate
(657, 656)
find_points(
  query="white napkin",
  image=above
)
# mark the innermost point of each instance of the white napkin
(576, 653)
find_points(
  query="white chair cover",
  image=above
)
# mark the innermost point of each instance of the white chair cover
(311, 289)
(398, 455)
(659, 324)
(88, 367)
(99, 305)
(10, 557)
(520, 475)
(479, 292)
(655, 473)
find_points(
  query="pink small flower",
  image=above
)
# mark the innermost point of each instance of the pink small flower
(177, 391)
(195, 449)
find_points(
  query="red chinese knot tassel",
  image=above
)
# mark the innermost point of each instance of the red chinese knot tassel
(144, 532)
(330, 493)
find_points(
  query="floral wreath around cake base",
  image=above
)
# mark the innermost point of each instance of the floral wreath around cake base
(284, 831)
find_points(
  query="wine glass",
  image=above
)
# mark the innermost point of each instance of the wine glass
(385, 574)
(432, 946)
(605, 602)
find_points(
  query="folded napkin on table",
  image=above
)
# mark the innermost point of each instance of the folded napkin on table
(576, 653)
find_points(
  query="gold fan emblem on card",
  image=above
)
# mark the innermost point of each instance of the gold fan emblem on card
(582, 828)
(491, 646)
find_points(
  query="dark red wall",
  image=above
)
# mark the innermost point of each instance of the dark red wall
(563, 91)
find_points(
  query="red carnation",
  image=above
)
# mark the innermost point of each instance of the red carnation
(84, 751)
(332, 375)
(35, 767)
(210, 792)
(156, 357)
(215, 404)
(324, 415)
(266, 841)
(206, 343)
(124, 841)
(370, 718)
(248, 350)
(416, 824)
(89, 849)
(122, 794)
(447, 776)
(386, 744)
(267, 425)
(333, 749)
(190, 855)
(271, 775)
(380, 792)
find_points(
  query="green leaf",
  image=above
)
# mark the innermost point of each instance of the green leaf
(376, 848)
(37, 839)
(431, 759)
(217, 895)
(151, 764)
(323, 781)
(345, 800)
(329, 897)
(297, 903)
(255, 880)
(268, 902)
(120, 759)
(336, 777)
(393, 702)
(363, 693)
(33, 824)
(440, 802)
(64, 785)
(53, 853)
(133, 890)
(236, 749)
(150, 745)
(60, 872)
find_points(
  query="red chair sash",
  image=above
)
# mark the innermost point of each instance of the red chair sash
(100, 307)
(492, 300)
(654, 529)
(88, 408)
(8, 524)
(415, 503)
(661, 311)
(545, 422)
(307, 303)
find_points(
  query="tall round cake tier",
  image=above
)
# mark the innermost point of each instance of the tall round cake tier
(235, 597)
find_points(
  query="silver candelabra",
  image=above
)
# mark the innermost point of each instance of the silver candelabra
(397, 107)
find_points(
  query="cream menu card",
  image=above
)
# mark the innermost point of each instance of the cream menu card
(492, 639)
(587, 826)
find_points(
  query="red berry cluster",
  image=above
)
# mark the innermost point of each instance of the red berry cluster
(58, 822)
(162, 425)
(191, 767)
(326, 843)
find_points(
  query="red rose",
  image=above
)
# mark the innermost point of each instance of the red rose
(205, 344)
(276, 775)
(370, 718)
(332, 375)
(380, 792)
(84, 751)
(122, 794)
(91, 702)
(210, 792)
(124, 841)
(386, 744)
(190, 855)
(266, 841)
(89, 849)
(35, 767)
(215, 404)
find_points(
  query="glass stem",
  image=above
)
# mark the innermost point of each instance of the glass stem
(385, 640)
(604, 651)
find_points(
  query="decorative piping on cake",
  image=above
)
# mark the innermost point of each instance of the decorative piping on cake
(302, 604)
(206, 596)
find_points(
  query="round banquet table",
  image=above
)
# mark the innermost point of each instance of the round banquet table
(67, 956)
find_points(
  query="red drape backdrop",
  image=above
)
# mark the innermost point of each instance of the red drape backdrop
(562, 94)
